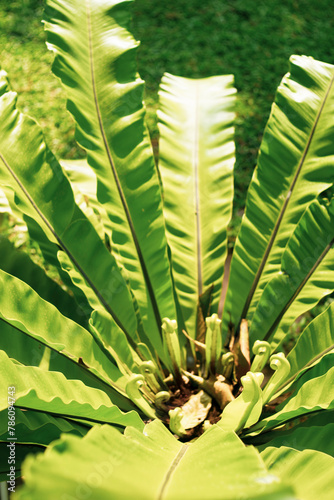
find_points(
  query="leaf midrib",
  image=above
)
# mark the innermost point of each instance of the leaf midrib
(286, 202)
(114, 172)
(170, 471)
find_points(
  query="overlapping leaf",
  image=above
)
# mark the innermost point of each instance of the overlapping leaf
(294, 166)
(311, 473)
(312, 392)
(96, 61)
(19, 264)
(196, 158)
(25, 350)
(84, 185)
(43, 192)
(314, 342)
(308, 248)
(50, 252)
(42, 321)
(122, 269)
(313, 434)
(33, 431)
(217, 466)
(32, 427)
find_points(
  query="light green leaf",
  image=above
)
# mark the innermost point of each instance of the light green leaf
(217, 466)
(315, 341)
(32, 427)
(30, 352)
(84, 185)
(311, 473)
(246, 409)
(294, 167)
(195, 410)
(42, 321)
(110, 332)
(83, 182)
(196, 158)
(312, 392)
(314, 434)
(4, 205)
(21, 452)
(43, 192)
(111, 286)
(115, 342)
(50, 251)
(96, 61)
(19, 264)
(33, 431)
(308, 247)
(51, 392)
(318, 286)
(105, 329)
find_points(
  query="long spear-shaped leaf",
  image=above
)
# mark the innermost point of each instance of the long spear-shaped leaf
(47, 243)
(52, 392)
(19, 264)
(43, 192)
(50, 250)
(96, 61)
(313, 391)
(196, 158)
(83, 182)
(319, 285)
(43, 322)
(309, 245)
(28, 351)
(294, 166)
(316, 340)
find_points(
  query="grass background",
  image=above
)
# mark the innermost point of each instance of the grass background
(252, 39)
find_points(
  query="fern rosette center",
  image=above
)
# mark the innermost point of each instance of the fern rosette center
(201, 384)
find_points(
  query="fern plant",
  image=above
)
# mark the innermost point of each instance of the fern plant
(159, 362)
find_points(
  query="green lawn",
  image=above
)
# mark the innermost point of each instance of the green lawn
(252, 39)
